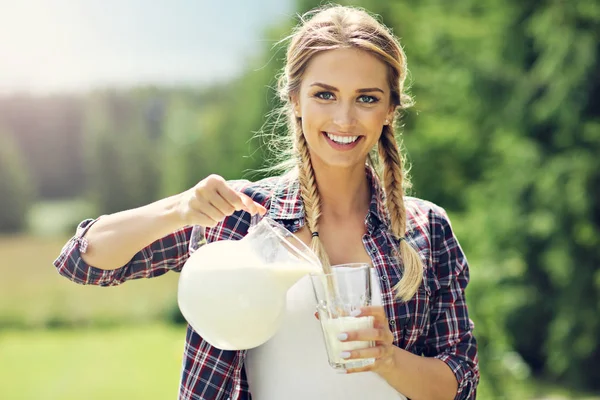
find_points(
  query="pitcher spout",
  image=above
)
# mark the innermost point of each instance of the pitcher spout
(290, 273)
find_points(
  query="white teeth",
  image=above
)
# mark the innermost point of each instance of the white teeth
(342, 139)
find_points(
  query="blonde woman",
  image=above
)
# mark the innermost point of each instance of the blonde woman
(343, 86)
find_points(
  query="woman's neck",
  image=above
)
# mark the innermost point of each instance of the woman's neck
(344, 192)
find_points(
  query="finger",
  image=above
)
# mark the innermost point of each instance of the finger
(360, 369)
(217, 201)
(365, 335)
(204, 220)
(197, 216)
(205, 207)
(369, 352)
(251, 206)
(378, 312)
(231, 196)
(385, 362)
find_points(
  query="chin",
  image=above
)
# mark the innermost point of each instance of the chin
(341, 162)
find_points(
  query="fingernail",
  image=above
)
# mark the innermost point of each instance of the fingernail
(345, 354)
(342, 336)
(355, 313)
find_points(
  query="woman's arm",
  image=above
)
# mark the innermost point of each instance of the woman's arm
(420, 377)
(449, 366)
(116, 238)
(113, 240)
(168, 253)
(450, 337)
(150, 240)
(414, 376)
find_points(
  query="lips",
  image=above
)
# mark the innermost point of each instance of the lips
(346, 142)
(342, 139)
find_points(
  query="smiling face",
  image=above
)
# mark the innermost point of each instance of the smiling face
(344, 102)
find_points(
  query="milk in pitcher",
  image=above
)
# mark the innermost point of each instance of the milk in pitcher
(236, 302)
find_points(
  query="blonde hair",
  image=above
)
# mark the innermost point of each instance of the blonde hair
(334, 27)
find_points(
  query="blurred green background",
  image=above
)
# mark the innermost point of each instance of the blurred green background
(505, 135)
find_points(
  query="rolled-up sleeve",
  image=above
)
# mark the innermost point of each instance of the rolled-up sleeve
(166, 254)
(450, 337)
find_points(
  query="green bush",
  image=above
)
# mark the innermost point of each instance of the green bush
(16, 192)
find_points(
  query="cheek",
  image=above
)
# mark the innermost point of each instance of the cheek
(312, 116)
(373, 119)
(312, 109)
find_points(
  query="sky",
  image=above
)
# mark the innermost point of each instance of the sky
(51, 46)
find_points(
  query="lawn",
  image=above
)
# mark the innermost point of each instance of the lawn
(135, 362)
(34, 295)
(122, 349)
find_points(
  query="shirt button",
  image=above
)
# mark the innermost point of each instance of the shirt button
(392, 322)
(384, 278)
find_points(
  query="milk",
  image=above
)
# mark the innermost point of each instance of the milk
(232, 298)
(332, 327)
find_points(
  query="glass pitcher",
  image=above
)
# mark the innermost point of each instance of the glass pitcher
(233, 292)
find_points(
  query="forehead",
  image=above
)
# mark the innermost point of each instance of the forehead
(346, 69)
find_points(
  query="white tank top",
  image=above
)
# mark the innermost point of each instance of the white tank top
(293, 364)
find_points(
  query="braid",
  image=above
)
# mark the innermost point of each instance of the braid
(393, 177)
(310, 195)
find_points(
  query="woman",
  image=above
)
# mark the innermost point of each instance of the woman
(342, 86)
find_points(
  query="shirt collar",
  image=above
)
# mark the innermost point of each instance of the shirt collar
(287, 204)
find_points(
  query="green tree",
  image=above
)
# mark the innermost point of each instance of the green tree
(553, 104)
(185, 158)
(123, 159)
(505, 135)
(16, 193)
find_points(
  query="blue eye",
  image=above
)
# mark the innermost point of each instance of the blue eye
(324, 95)
(368, 99)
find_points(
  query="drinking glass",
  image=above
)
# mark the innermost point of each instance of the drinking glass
(339, 295)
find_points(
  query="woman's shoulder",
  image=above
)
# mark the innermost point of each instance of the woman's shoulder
(423, 213)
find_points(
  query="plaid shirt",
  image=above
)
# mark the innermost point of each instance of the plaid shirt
(434, 323)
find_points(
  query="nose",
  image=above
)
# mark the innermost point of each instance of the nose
(345, 117)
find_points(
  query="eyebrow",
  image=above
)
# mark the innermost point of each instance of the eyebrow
(334, 89)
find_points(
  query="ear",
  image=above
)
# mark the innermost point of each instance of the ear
(389, 118)
(296, 104)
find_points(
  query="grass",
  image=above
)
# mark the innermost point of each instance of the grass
(34, 295)
(135, 362)
(135, 356)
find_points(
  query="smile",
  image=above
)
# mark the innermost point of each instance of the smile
(342, 139)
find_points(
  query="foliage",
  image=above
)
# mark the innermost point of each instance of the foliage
(505, 135)
(16, 193)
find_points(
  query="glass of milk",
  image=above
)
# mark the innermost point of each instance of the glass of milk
(339, 293)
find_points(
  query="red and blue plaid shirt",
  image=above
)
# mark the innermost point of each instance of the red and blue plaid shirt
(434, 323)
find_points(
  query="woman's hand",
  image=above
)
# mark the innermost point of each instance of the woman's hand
(211, 200)
(384, 350)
